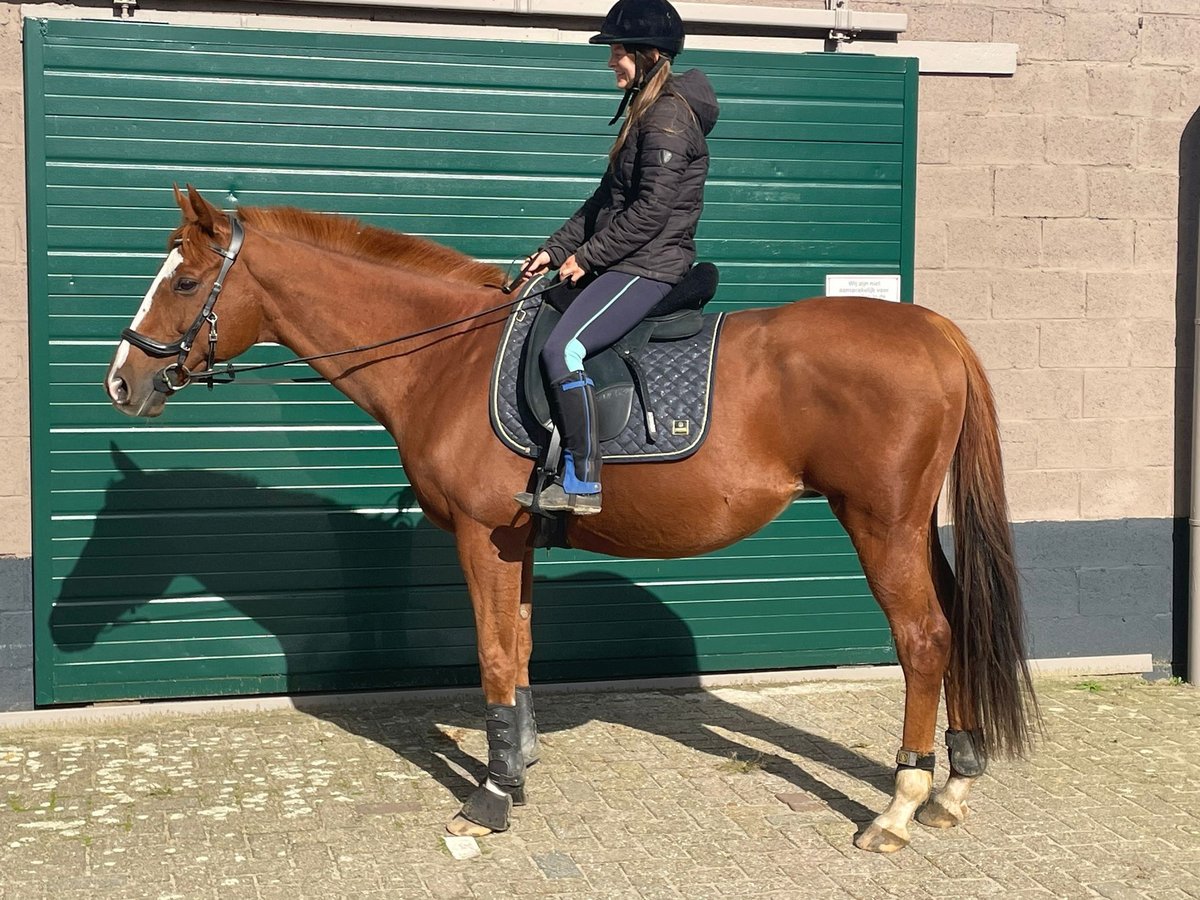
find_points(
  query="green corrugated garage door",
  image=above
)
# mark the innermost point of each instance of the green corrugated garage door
(260, 538)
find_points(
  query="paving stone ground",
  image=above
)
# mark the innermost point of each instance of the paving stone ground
(653, 794)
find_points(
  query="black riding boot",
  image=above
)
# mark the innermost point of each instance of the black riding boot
(578, 488)
(576, 401)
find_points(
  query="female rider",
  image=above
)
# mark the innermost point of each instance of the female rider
(634, 238)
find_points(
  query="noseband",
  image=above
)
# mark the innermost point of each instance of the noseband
(164, 382)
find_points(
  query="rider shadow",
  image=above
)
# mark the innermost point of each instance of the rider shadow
(343, 534)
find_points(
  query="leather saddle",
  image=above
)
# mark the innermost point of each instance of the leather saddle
(616, 371)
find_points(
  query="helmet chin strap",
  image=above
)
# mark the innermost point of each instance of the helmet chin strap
(640, 81)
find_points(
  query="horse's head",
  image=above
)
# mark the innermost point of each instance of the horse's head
(176, 330)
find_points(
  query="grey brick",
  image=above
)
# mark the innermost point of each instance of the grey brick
(16, 591)
(16, 689)
(16, 630)
(1050, 593)
(1100, 635)
(1124, 581)
(1107, 543)
(1125, 591)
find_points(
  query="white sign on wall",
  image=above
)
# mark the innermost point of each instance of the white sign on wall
(882, 287)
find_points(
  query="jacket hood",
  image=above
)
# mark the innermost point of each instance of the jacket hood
(694, 87)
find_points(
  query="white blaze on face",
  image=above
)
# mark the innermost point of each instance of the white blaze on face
(174, 258)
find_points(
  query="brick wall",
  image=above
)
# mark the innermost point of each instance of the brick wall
(14, 353)
(1048, 217)
(16, 599)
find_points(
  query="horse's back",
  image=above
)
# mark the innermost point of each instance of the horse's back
(847, 321)
(897, 347)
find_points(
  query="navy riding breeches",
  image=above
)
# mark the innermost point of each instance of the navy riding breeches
(603, 313)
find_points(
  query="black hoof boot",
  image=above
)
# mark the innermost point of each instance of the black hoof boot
(489, 809)
(967, 756)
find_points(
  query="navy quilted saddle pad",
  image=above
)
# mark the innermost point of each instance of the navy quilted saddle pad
(676, 385)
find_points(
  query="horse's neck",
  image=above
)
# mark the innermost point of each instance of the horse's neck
(321, 302)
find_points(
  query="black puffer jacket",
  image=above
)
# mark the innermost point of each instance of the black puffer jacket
(642, 219)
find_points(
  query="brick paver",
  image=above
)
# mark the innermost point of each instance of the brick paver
(655, 794)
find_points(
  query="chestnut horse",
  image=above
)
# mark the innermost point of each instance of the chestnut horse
(868, 403)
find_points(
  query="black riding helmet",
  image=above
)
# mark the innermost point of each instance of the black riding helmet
(649, 23)
(641, 23)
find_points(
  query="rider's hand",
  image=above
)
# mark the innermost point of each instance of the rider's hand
(536, 263)
(570, 270)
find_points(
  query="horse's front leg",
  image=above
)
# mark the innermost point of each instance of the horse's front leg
(494, 563)
(526, 722)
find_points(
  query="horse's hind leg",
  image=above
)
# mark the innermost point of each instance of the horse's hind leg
(948, 805)
(894, 555)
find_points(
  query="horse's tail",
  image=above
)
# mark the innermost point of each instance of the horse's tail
(987, 658)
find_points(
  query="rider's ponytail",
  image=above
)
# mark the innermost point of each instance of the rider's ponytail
(645, 98)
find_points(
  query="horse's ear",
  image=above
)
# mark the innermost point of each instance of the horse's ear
(122, 461)
(185, 205)
(206, 214)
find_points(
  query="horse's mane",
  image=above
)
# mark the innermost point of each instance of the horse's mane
(354, 238)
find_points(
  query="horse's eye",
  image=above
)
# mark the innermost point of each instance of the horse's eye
(186, 285)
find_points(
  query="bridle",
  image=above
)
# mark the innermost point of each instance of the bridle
(165, 382)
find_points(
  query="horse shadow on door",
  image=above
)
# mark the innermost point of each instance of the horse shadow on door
(384, 605)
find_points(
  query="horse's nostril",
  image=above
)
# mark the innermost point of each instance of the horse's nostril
(120, 390)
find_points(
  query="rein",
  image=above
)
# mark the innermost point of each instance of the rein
(165, 381)
(230, 371)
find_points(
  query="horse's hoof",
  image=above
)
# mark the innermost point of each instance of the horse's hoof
(880, 840)
(935, 814)
(463, 827)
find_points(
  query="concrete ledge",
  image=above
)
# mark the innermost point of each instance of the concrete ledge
(935, 57)
(1137, 663)
(1130, 664)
